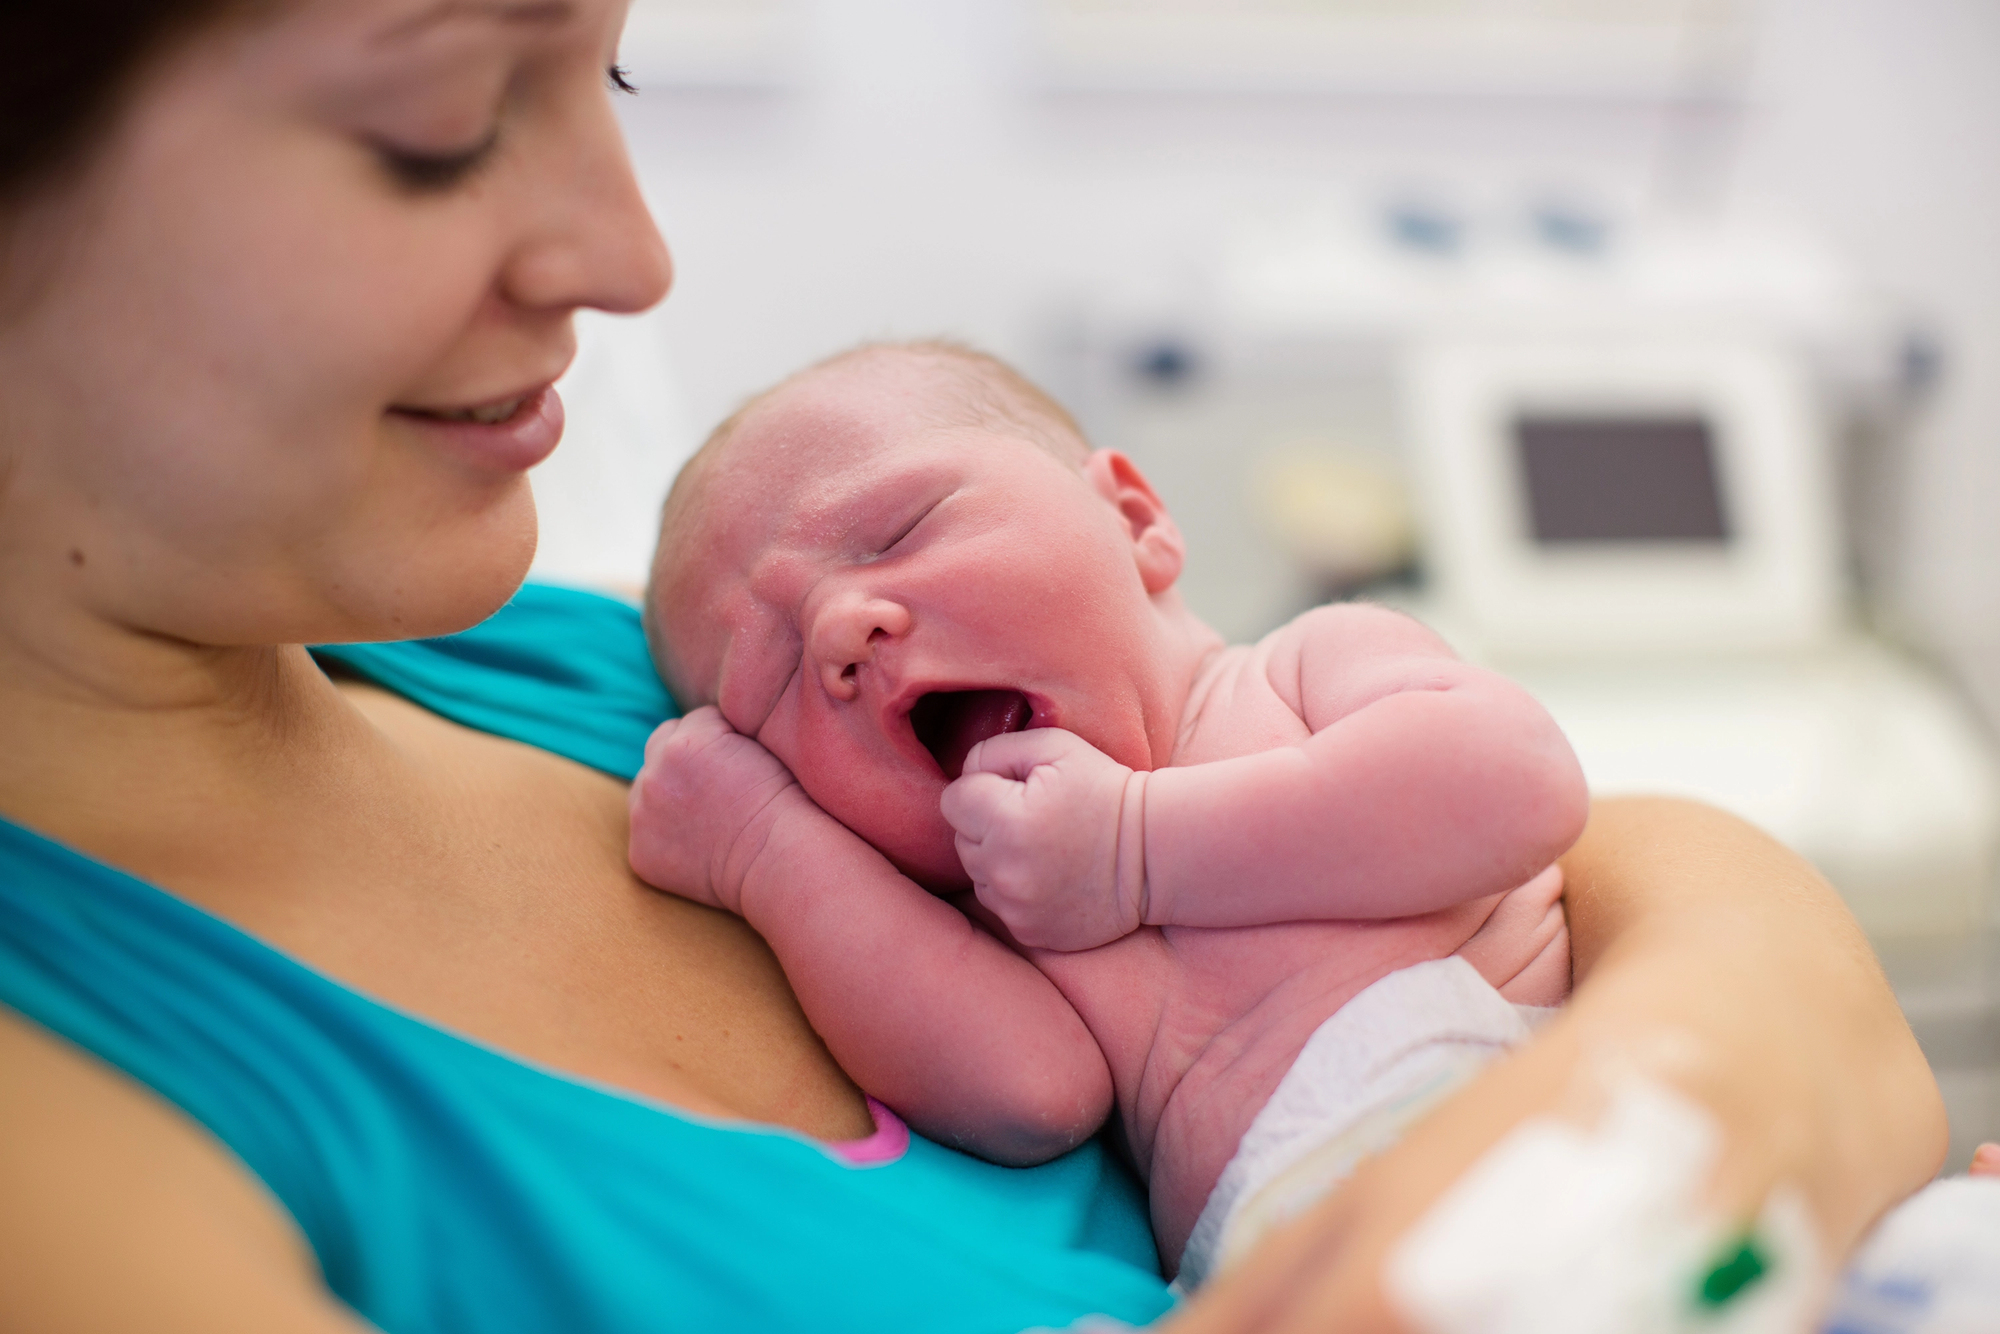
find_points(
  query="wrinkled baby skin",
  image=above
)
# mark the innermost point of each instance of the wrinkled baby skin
(1029, 840)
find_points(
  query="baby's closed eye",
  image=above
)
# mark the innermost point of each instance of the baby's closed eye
(908, 527)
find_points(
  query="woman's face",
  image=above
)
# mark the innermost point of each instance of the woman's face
(239, 351)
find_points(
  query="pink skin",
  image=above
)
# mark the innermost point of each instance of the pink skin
(1258, 833)
(818, 641)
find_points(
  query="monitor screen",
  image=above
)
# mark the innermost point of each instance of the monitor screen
(1603, 478)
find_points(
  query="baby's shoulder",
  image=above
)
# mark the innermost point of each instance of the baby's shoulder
(1236, 708)
(1277, 691)
(1341, 635)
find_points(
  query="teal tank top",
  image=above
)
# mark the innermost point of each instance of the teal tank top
(447, 1186)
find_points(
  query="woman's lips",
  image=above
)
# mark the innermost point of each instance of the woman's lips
(514, 443)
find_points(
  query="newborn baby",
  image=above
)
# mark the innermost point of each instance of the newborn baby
(1029, 840)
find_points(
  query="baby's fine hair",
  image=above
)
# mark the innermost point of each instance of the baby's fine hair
(987, 392)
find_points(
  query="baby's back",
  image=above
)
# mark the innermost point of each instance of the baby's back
(1199, 1025)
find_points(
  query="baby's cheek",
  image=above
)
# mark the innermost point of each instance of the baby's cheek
(860, 779)
(899, 819)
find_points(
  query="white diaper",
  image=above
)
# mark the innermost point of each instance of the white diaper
(1362, 1079)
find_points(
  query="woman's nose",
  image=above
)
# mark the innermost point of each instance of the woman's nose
(847, 633)
(593, 241)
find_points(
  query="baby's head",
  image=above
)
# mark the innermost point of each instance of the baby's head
(898, 552)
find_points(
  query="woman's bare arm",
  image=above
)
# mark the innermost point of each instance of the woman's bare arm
(120, 1214)
(1728, 968)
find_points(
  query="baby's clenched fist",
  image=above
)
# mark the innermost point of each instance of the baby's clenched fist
(703, 806)
(1052, 832)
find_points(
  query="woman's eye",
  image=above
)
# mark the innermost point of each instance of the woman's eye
(429, 172)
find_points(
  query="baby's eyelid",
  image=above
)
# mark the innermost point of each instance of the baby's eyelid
(910, 527)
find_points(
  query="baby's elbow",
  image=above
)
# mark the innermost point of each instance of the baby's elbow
(1021, 1147)
(1522, 775)
(1554, 797)
(1042, 1120)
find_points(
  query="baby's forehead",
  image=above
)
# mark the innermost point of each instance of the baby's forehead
(802, 470)
(811, 450)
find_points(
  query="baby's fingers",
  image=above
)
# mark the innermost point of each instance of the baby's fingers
(706, 724)
(661, 737)
(972, 805)
(695, 730)
(1016, 754)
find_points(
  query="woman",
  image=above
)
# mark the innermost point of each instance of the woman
(282, 290)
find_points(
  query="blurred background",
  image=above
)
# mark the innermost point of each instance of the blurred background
(1650, 349)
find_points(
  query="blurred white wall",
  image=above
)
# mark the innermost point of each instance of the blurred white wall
(1878, 121)
(915, 178)
(907, 171)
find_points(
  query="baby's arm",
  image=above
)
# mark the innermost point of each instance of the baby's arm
(937, 1018)
(1426, 782)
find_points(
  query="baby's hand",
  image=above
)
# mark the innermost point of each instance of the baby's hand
(1039, 816)
(702, 807)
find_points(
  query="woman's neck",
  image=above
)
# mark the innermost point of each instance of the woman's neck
(106, 730)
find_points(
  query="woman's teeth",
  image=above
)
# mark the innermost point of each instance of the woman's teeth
(489, 415)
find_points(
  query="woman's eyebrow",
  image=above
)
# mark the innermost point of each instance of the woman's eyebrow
(527, 13)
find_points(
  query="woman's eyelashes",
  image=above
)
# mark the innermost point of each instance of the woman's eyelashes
(427, 171)
(424, 171)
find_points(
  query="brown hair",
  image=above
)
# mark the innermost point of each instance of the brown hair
(66, 67)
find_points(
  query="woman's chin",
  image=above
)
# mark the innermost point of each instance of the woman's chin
(446, 581)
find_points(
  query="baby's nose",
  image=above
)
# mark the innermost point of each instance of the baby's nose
(847, 633)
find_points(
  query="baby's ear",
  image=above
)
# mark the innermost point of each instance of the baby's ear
(1156, 542)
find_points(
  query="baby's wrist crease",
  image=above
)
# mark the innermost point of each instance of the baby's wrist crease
(1133, 883)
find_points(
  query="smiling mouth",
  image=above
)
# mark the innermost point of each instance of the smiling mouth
(486, 414)
(950, 723)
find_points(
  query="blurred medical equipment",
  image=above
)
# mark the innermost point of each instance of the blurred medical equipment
(1620, 448)
(1563, 1228)
(1643, 532)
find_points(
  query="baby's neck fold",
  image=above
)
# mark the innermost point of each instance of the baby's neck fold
(1189, 646)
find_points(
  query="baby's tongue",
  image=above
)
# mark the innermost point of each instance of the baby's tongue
(951, 723)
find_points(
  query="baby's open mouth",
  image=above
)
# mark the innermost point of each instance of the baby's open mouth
(951, 722)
